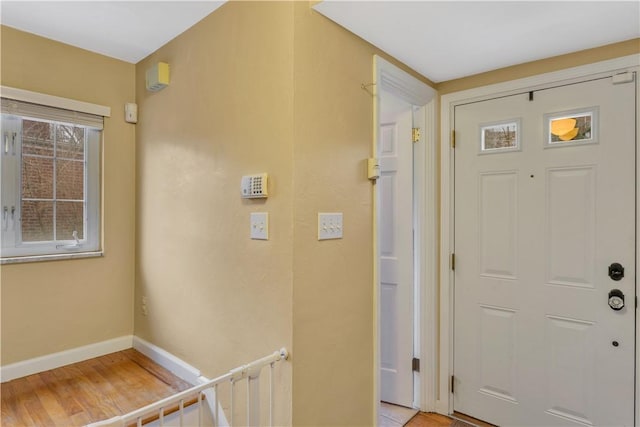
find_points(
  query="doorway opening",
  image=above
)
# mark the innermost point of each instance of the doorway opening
(405, 245)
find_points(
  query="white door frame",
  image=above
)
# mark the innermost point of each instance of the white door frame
(390, 78)
(444, 402)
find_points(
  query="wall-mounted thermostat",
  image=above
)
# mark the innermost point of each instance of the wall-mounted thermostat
(254, 186)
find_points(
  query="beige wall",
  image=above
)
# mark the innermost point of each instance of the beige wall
(255, 87)
(333, 291)
(261, 87)
(245, 97)
(333, 323)
(216, 298)
(548, 65)
(53, 306)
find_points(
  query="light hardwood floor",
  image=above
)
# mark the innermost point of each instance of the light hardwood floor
(86, 392)
(399, 416)
(118, 383)
(423, 419)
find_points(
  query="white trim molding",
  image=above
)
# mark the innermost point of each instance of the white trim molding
(444, 404)
(52, 257)
(401, 84)
(177, 366)
(63, 358)
(637, 419)
(162, 357)
(428, 253)
(54, 101)
(183, 370)
(392, 80)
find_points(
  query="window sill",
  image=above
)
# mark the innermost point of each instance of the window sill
(55, 257)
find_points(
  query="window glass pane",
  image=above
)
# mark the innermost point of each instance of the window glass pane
(69, 179)
(37, 178)
(69, 218)
(499, 136)
(37, 221)
(70, 142)
(37, 138)
(572, 128)
(54, 177)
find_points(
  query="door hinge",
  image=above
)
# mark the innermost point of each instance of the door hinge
(415, 364)
(453, 139)
(415, 134)
(453, 261)
(452, 383)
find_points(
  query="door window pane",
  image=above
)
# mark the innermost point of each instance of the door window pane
(571, 127)
(503, 136)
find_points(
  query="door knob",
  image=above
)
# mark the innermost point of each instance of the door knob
(616, 299)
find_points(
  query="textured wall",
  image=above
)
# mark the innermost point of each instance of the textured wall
(215, 298)
(261, 87)
(333, 293)
(53, 306)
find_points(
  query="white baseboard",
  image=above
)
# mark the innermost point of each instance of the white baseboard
(67, 357)
(162, 357)
(177, 366)
(183, 370)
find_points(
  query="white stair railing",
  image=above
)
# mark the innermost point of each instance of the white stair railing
(249, 372)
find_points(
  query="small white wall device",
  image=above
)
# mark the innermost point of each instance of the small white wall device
(131, 112)
(329, 225)
(157, 77)
(254, 186)
(260, 225)
(373, 168)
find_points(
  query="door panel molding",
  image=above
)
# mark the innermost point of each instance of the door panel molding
(444, 361)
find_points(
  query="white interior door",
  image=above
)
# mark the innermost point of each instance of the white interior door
(537, 225)
(395, 189)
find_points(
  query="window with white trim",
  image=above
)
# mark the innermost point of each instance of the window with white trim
(50, 189)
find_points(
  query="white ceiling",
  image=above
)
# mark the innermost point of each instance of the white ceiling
(442, 40)
(126, 30)
(445, 40)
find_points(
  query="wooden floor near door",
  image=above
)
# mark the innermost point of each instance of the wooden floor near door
(87, 392)
(390, 415)
(423, 419)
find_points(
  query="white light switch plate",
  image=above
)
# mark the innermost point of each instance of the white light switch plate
(329, 225)
(260, 225)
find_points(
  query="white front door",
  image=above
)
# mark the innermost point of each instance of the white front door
(544, 205)
(395, 228)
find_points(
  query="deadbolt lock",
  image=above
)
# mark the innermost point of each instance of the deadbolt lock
(616, 271)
